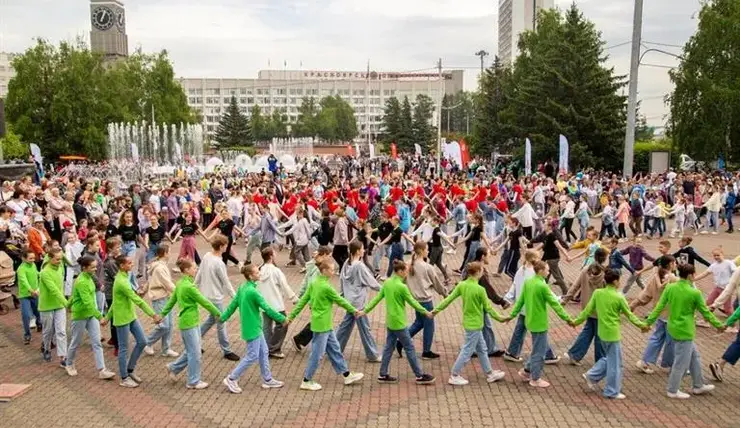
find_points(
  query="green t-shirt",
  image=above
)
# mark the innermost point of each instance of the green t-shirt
(475, 304)
(322, 297)
(535, 297)
(51, 291)
(28, 279)
(188, 298)
(249, 301)
(684, 300)
(609, 304)
(396, 295)
(82, 303)
(125, 300)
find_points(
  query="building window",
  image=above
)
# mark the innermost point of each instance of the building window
(243, 100)
(259, 91)
(250, 100)
(227, 100)
(243, 91)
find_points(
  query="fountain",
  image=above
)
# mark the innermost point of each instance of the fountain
(158, 143)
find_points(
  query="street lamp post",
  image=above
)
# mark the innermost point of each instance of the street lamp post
(629, 137)
(482, 54)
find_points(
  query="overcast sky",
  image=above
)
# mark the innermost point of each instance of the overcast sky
(236, 38)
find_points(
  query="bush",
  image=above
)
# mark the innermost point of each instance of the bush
(643, 150)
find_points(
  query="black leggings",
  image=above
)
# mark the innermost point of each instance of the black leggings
(568, 229)
(227, 256)
(113, 334)
(340, 254)
(304, 337)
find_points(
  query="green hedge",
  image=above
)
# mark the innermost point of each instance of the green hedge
(642, 154)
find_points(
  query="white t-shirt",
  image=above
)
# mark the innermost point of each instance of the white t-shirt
(722, 271)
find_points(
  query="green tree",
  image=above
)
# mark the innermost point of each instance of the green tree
(63, 97)
(405, 141)
(705, 102)
(258, 125)
(423, 132)
(233, 128)
(561, 85)
(336, 120)
(391, 126)
(458, 112)
(490, 131)
(307, 123)
(277, 125)
(12, 146)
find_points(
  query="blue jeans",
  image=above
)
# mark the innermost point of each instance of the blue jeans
(474, 342)
(713, 220)
(408, 346)
(536, 362)
(162, 330)
(583, 341)
(488, 334)
(128, 249)
(517, 340)
(29, 307)
(472, 249)
(223, 338)
(256, 352)
(363, 325)
(78, 328)
(122, 332)
(657, 340)
(325, 343)
(427, 324)
(191, 357)
(151, 253)
(396, 254)
(728, 216)
(687, 358)
(609, 367)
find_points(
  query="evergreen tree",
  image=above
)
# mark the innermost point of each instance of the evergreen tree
(405, 140)
(307, 123)
(423, 132)
(458, 112)
(258, 125)
(391, 126)
(490, 131)
(336, 120)
(705, 107)
(562, 86)
(233, 128)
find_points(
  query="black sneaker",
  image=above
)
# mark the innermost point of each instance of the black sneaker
(38, 327)
(26, 340)
(496, 354)
(298, 346)
(387, 379)
(399, 349)
(429, 356)
(425, 379)
(716, 371)
(231, 356)
(63, 363)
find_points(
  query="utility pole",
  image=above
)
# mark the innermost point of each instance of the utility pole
(439, 119)
(482, 54)
(367, 106)
(629, 137)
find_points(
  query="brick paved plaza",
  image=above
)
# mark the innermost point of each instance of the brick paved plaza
(56, 400)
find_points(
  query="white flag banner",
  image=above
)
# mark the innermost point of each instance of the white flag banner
(527, 157)
(452, 152)
(134, 152)
(418, 149)
(372, 150)
(563, 163)
(357, 150)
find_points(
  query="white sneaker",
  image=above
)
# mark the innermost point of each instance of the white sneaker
(128, 383)
(232, 385)
(457, 380)
(678, 394)
(170, 353)
(703, 390)
(353, 377)
(239, 266)
(310, 386)
(172, 375)
(71, 370)
(644, 367)
(106, 374)
(619, 396)
(149, 350)
(450, 251)
(199, 385)
(135, 377)
(495, 375)
(272, 383)
(567, 360)
(714, 233)
(592, 386)
(32, 323)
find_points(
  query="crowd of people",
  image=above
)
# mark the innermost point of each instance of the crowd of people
(95, 251)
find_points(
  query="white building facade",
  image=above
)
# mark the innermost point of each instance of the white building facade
(515, 17)
(284, 90)
(6, 72)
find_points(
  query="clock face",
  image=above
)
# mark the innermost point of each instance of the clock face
(121, 21)
(103, 18)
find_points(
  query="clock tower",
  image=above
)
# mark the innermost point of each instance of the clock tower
(108, 34)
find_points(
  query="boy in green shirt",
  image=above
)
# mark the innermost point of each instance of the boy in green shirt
(28, 293)
(683, 300)
(475, 306)
(322, 296)
(188, 298)
(536, 297)
(396, 295)
(249, 301)
(52, 306)
(609, 304)
(86, 317)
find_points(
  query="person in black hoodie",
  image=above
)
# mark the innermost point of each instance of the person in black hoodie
(686, 253)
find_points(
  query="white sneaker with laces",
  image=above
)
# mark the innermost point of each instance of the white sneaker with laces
(310, 386)
(567, 360)
(644, 367)
(170, 353)
(272, 383)
(199, 385)
(703, 390)
(106, 374)
(353, 377)
(457, 380)
(232, 385)
(494, 376)
(619, 396)
(678, 394)
(71, 370)
(592, 386)
(149, 350)
(128, 383)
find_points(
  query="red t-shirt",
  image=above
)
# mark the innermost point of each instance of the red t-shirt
(419, 208)
(494, 189)
(396, 193)
(480, 194)
(312, 202)
(441, 208)
(518, 190)
(290, 205)
(257, 198)
(353, 197)
(390, 209)
(330, 195)
(471, 205)
(502, 206)
(456, 191)
(363, 210)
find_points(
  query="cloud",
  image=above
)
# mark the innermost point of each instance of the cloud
(237, 38)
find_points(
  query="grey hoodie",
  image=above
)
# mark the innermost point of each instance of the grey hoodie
(354, 280)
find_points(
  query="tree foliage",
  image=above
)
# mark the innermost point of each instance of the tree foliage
(336, 120)
(13, 147)
(458, 112)
(705, 103)
(258, 125)
(233, 128)
(490, 128)
(63, 97)
(422, 130)
(407, 124)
